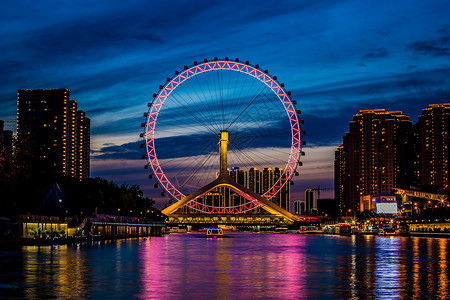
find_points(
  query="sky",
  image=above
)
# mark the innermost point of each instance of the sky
(336, 57)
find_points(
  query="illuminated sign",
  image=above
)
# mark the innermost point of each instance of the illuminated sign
(386, 208)
(385, 204)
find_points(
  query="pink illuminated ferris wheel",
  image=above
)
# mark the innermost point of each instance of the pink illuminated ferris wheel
(190, 113)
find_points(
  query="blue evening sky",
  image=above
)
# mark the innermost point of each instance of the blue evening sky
(336, 57)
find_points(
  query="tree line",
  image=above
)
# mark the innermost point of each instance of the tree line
(26, 179)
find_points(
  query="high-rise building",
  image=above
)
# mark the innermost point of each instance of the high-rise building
(72, 146)
(267, 179)
(339, 176)
(5, 136)
(83, 143)
(254, 183)
(374, 157)
(299, 207)
(49, 120)
(309, 202)
(432, 139)
(240, 176)
(2, 123)
(283, 198)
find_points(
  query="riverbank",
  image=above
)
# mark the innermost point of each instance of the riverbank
(430, 234)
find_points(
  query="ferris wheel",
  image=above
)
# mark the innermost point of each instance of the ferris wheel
(187, 119)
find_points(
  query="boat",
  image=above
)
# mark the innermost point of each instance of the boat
(214, 233)
(344, 229)
(227, 228)
(309, 230)
(387, 232)
(281, 230)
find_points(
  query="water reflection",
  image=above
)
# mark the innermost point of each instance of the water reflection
(54, 271)
(243, 266)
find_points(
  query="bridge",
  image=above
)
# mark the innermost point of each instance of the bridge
(428, 199)
(277, 214)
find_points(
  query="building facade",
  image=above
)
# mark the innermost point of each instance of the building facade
(339, 177)
(374, 157)
(49, 120)
(309, 202)
(432, 139)
(6, 136)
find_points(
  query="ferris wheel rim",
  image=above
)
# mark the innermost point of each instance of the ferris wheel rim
(218, 65)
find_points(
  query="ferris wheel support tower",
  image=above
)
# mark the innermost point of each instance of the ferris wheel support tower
(225, 180)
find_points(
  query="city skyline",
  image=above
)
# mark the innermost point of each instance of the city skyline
(336, 59)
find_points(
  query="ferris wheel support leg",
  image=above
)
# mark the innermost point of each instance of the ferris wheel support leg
(192, 196)
(227, 181)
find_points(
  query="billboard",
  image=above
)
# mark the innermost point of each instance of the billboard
(386, 205)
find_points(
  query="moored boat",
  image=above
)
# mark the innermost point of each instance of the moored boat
(281, 230)
(309, 230)
(214, 232)
(387, 232)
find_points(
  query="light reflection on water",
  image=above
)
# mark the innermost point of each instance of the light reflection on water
(242, 266)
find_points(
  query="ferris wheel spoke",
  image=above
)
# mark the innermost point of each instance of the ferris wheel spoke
(237, 100)
(193, 103)
(246, 108)
(193, 114)
(197, 103)
(249, 89)
(206, 102)
(244, 156)
(199, 167)
(214, 103)
(249, 116)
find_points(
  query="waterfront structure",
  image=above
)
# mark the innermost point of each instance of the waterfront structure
(50, 121)
(224, 180)
(374, 157)
(432, 139)
(253, 179)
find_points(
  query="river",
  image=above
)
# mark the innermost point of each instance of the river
(238, 266)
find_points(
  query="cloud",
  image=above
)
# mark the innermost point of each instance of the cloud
(436, 47)
(376, 54)
(149, 37)
(128, 151)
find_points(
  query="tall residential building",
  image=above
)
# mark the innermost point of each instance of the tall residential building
(84, 145)
(309, 202)
(2, 123)
(5, 136)
(72, 146)
(240, 176)
(254, 183)
(49, 119)
(432, 137)
(374, 157)
(299, 207)
(283, 198)
(339, 176)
